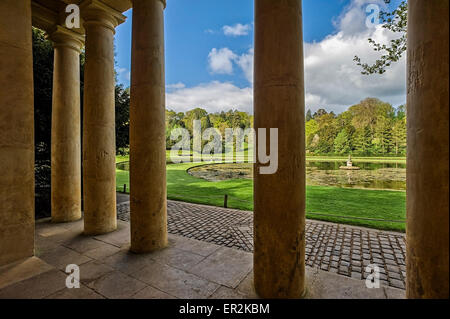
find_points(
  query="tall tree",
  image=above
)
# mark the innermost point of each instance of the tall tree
(342, 143)
(399, 136)
(327, 133)
(363, 141)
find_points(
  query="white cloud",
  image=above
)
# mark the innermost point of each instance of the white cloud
(178, 85)
(245, 62)
(221, 61)
(332, 79)
(353, 18)
(213, 97)
(237, 29)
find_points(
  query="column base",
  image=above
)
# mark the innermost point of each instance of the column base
(64, 220)
(100, 231)
(302, 295)
(145, 249)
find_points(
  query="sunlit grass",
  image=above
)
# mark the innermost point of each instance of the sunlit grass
(335, 201)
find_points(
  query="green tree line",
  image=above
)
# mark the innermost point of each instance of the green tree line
(369, 128)
(220, 121)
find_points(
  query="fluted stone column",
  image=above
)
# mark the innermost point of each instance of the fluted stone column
(147, 128)
(279, 198)
(66, 138)
(427, 164)
(99, 147)
(17, 132)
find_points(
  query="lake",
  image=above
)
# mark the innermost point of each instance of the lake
(390, 176)
(384, 176)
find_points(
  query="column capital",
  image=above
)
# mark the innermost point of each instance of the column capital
(63, 37)
(96, 12)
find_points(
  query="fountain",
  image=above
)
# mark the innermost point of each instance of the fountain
(350, 166)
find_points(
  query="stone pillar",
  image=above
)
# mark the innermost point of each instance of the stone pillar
(17, 132)
(427, 163)
(66, 138)
(147, 128)
(279, 198)
(99, 147)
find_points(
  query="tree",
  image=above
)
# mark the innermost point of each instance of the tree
(395, 21)
(122, 98)
(319, 113)
(327, 132)
(308, 115)
(399, 136)
(195, 114)
(342, 143)
(363, 141)
(401, 112)
(311, 129)
(383, 135)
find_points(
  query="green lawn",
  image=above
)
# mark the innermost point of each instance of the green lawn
(361, 203)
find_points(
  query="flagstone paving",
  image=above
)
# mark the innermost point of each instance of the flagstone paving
(335, 248)
(186, 268)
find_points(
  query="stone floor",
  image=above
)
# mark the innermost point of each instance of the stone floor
(188, 268)
(336, 248)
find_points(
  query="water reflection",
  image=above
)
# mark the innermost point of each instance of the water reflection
(391, 176)
(388, 176)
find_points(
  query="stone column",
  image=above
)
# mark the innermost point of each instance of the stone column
(279, 198)
(427, 163)
(147, 128)
(99, 147)
(17, 132)
(66, 138)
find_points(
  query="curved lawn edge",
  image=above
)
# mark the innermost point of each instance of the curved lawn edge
(362, 203)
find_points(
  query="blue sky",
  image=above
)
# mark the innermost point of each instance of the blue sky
(209, 51)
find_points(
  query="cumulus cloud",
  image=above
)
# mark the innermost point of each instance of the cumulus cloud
(214, 97)
(245, 62)
(332, 79)
(221, 61)
(237, 29)
(353, 18)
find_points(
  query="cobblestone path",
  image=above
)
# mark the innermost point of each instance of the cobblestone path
(341, 249)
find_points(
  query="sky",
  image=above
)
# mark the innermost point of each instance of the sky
(209, 55)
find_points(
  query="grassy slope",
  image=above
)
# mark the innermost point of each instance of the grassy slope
(320, 199)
